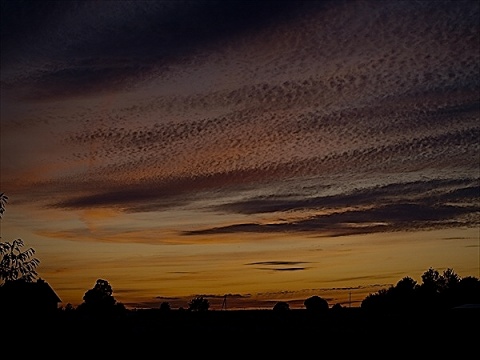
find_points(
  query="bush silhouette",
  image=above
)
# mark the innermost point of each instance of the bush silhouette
(281, 306)
(165, 306)
(199, 304)
(316, 304)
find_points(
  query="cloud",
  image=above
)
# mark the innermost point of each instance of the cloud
(278, 265)
(336, 118)
(432, 191)
(394, 207)
(80, 47)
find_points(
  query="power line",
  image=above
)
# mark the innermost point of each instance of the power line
(224, 303)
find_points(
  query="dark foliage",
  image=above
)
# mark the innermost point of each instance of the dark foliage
(281, 306)
(3, 202)
(165, 306)
(16, 264)
(198, 303)
(436, 292)
(316, 304)
(100, 303)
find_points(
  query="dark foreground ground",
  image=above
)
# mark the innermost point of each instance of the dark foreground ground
(452, 334)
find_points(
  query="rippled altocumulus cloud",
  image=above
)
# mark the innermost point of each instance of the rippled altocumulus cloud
(357, 116)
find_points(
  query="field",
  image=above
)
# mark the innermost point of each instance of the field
(348, 331)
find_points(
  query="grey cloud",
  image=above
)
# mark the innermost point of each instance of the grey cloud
(433, 191)
(164, 298)
(275, 263)
(376, 107)
(377, 138)
(131, 27)
(115, 43)
(279, 265)
(381, 218)
(80, 47)
(283, 269)
(157, 145)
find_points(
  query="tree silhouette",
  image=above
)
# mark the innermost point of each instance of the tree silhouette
(3, 202)
(281, 306)
(198, 303)
(316, 304)
(337, 307)
(468, 291)
(437, 291)
(165, 306)
(99, 301)
(20, 296)
(404, 295)
(431, 281)
(16, 264)
(100, 295)
(407, 284)
(434, 287)
(69, 308)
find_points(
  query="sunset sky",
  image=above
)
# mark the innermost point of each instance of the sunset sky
(264, 150)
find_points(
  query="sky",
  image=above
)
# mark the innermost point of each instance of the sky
(248, 152)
